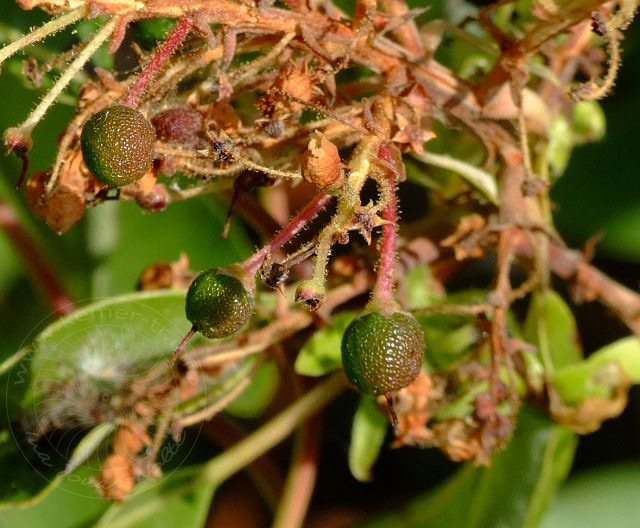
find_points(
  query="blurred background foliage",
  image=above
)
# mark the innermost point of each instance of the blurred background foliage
(599, 194)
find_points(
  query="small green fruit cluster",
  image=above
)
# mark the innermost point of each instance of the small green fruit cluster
(217, 304)
(382, 354)
(118, 145)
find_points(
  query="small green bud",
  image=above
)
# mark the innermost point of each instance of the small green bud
(560, 146)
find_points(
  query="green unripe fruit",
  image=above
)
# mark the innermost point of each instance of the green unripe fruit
(217, 304)
(118, 145)
(382, 354)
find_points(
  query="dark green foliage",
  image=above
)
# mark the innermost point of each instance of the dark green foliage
(382, 354)
(148, 33)
(217, 304)
(118, 145)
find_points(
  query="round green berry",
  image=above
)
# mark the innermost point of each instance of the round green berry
(381, 354)
(118, 145)
(217, 304)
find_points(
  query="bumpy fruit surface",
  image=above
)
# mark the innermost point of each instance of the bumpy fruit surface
(118, 145)
(217, 304)
(382, 354)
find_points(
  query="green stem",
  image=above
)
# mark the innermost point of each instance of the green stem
(275, 431)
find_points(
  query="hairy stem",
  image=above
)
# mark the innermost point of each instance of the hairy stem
(297, 223)
(347, 202)
(383, 289)
(34, 118)
(159, 60)
(49, 28)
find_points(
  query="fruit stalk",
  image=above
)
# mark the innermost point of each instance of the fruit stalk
(161, 57)
(297, 223)
(383, 289)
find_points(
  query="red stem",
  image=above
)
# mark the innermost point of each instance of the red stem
(161, 57)
(183, 342)
(302, 476)
(383, 289)
(296, 225)
(34, 260)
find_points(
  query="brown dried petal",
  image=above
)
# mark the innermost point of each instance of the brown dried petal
(65, 205)
(175, 275)
(129, 440)
(116, 478)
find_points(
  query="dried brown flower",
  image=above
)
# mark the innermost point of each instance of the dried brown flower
(321, 163)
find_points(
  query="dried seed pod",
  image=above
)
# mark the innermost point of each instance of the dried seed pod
(182, 125)
(118, 145)
(321, 164)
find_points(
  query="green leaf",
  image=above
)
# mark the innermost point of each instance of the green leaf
(37, 468)
(106, 343)
(71, 503)
(551, 327)
(258, 395)
(322, 353)
(181, 498)
(367, 436)
(514, 492)
(598, 497)
(447, 345)
(417, 287)
(597, 376)
(88, 445)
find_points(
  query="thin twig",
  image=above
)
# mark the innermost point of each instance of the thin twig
(159, 60)
(34, 118)
(49, 28)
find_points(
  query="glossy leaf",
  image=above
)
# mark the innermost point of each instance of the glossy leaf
(181, 498)
(595, 377)
(71, 502)
(367, 436)
(514, 492)
(322, 353)
(170, 233)
(105, 341)
(39, 467)
(258, 395)
(551, 327)
(605, 496)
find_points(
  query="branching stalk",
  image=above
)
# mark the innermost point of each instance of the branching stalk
(159, 60)
(276, 430)
(24, 130)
